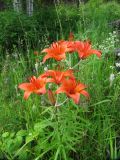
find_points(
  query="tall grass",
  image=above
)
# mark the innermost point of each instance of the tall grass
(36, 130)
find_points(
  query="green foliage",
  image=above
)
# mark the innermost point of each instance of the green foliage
(16, 30)
(53, 137)
(50, 23)
(21, 31)
(30, 130)
(96, 17)
(101, 12)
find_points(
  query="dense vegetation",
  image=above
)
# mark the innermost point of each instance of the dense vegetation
(50, 23)
(34, 129)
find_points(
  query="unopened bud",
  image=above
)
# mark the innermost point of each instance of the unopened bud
(51, 97)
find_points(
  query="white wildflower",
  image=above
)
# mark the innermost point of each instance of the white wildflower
(45, 68)
(114, 32)
(111, 78)
(117, 64)
(36, 66)
(118, 54)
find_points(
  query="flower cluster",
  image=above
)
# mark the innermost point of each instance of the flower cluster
(65, 80)
(110, 42)
(59, 49)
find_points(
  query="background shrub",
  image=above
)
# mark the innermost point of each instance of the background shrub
(51, 23)
(21, 31)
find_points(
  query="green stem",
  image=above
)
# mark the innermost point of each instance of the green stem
(57, 105)
(76, 65)
(56, 101)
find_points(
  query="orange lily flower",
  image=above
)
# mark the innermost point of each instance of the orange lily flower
(72, 89)
(57, 76)
(69, 44)
(36, 85)
(84, 49)
(57, 51)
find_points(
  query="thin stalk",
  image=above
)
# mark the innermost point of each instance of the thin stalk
(61, 103)
(56, 101)
(76, 65)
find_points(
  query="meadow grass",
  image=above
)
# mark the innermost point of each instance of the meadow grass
(36, 130)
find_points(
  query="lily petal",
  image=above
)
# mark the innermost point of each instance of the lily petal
(75, 97)
(98, 53)
(25, 86)
(85, 93)
(46, 57)
(27, 94)
(60, 90)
